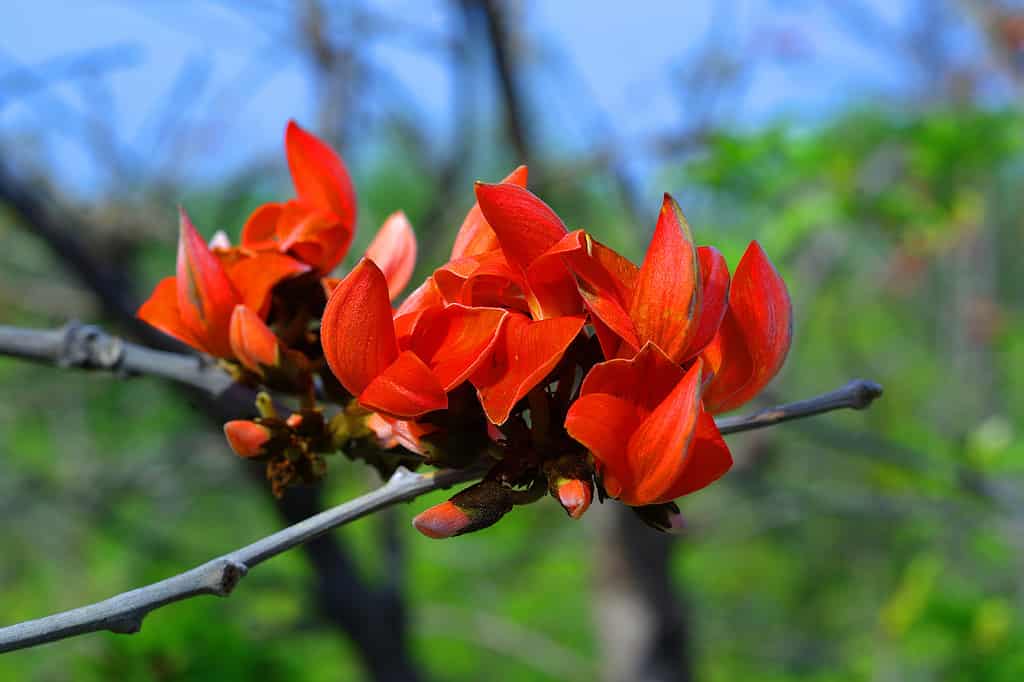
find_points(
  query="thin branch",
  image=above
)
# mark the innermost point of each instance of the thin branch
(89, 347)
(125, 612)
(855, 395)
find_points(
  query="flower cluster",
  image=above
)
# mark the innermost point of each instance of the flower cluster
(537, 352)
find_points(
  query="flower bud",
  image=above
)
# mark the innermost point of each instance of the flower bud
(474, 508)
(247, 438)
(574, 495)
(571, 482)
(443, 520)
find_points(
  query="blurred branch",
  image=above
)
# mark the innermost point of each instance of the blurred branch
(500, 41)
(61, 233)
(855, 395)
(124, 613)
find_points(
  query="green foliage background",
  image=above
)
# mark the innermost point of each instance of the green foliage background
(883, 545)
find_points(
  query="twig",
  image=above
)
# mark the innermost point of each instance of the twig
(89, 347)
(855, 395)
(125, 612)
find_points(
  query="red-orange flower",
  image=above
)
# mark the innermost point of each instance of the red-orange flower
(317, 226)
(643, 422)
(403, 375)
(195, 305)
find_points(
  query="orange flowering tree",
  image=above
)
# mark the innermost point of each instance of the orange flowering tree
(536, 362)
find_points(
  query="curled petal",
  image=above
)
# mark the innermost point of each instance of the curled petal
(252, 341)
(606, 281)
(161, 311)
(525, 353)
(206, 297)
(476, 236)
(394, 252)
(320, 177)
(645, 380)
(526, 227)
(255, 277)
(406, 388)
(260, 230)
(312, 235)
(755, 335)
(658, 448)
(707, 459)
(455, 340)
(602, 423)
(426, 295)
(357, 332)
(714, 298)
(667, 294)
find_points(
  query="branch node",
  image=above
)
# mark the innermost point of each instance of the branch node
(128, 624)
(230, 573)
(863, 393)
(402, 474)
(89, 347)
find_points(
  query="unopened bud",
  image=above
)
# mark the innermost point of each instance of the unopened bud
(575, 496)
(571, 482)
(477, 507)
(247, 438)
(443, 520)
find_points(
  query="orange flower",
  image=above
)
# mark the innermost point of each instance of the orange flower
(195, 306)
(404, 375)
(317, 226)
(643, 422)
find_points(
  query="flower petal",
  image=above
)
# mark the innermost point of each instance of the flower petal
(357, 332)
(406, 388)
(525, 353)
(160, 310)
(260, 229)
(252, 341)
(667, 294)
(206, 297)
(606, 281)
(455, 340)
(320, 177)
(394, 252)
(658, 447)
(755, 335)
(645, 380)
(714, 298)
(476, 236)
(602, 423)
(255, 277)
(526, 227)
(707, 459)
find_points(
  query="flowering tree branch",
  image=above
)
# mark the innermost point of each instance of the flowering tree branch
(89, 347)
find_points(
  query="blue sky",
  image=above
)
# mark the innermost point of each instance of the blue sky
(254, 83)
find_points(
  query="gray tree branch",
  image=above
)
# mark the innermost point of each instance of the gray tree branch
(125, 612)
